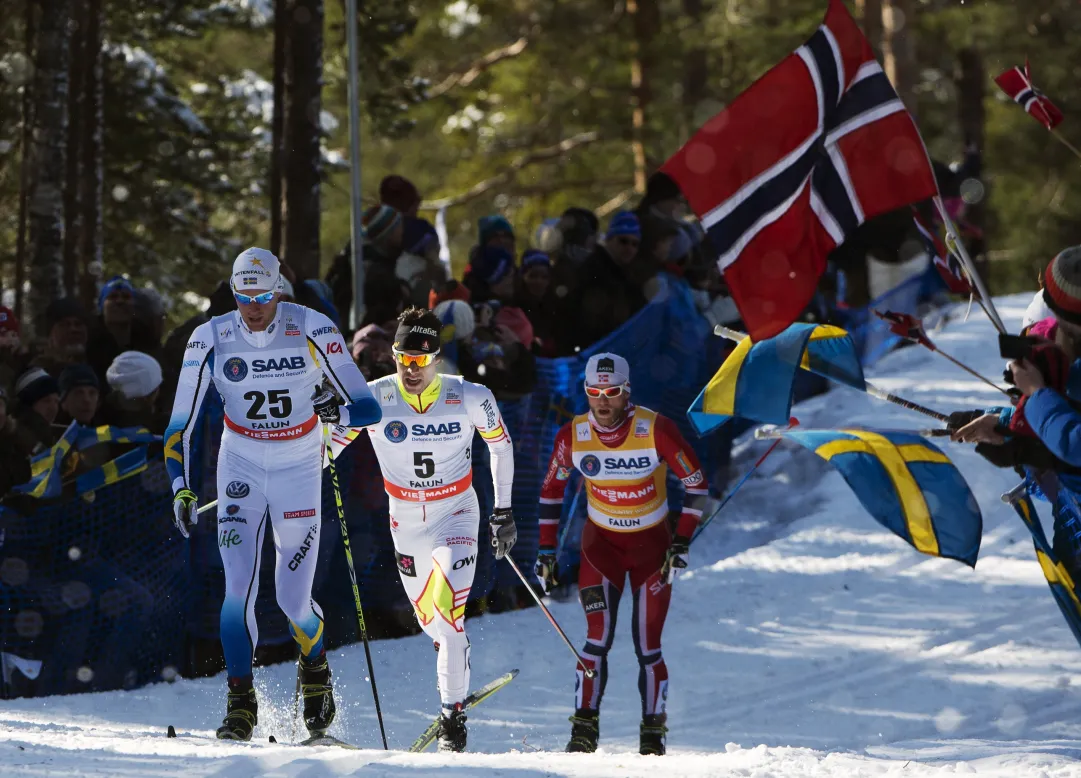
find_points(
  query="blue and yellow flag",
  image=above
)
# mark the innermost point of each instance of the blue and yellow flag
(757, 380)
(46, 473)
(47, 469)
(1058, 577)
(907, 484)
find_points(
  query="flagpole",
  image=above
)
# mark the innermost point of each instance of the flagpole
(985, 300)
(1065, 142)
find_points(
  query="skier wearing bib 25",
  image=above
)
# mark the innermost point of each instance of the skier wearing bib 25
(424, 446)
(265, 360)
(623, 453)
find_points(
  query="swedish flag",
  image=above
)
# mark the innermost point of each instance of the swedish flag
(757, 380)
(1058, 577)
(907, 484)
(46, 474)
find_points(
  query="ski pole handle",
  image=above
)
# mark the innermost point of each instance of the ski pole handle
(589, 672)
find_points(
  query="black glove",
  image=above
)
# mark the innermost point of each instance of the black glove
(504, 533)
(958, 419)
(185, 511)
(327, 406)
(676, 559)
(547, 569)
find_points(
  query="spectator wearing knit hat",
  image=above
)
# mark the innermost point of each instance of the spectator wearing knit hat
(14, 464)
(39, 403)
(606, 293)
(80, 395)
(135, 381)
(383, 230)
(491, 275)
(496, 230)
(66, 327)
(116, 328)
(538, 301)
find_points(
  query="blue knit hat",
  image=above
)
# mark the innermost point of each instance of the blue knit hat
(624, 223)
(114, 283)
(535, 258)
(488, 226)
(77, 375)
(492, 264)
(418, 235)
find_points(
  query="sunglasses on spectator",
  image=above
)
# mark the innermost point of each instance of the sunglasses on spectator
(262, 299)
(605, 391)
(420, 360)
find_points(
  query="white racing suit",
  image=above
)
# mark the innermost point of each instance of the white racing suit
(424, 445)
(270, 461)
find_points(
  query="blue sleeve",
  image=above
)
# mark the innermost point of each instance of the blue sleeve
(1056, 423)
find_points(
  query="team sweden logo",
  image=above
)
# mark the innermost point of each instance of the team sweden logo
(395, 431)
(235, 369)
(591, 465)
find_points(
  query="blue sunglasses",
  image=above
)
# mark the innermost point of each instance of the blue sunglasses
(262, 299)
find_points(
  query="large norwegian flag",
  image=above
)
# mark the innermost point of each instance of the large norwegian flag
(793, 165)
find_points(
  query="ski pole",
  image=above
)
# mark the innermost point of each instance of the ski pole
(874, 391)
(353, 580)
(551, 618)
(746, 476)
(204, 508)
(777, 433)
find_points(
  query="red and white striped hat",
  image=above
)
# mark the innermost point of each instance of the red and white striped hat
(1062, 285)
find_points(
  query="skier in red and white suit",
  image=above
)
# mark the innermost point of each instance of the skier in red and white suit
(623, 453)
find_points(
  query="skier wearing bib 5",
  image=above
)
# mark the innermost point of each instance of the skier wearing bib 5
(266, 360)
(424, 445)
(623, 453)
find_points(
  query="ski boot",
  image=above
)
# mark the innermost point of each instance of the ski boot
(651, 735)
(585, 732)
(452, 733)
(315, 689)
(241, 712)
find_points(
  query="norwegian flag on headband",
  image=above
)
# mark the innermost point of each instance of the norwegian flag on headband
(1016, 83)
(945, 263)
(793, 165)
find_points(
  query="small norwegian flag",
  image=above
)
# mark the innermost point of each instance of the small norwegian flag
(1016, 83)
(945, 263)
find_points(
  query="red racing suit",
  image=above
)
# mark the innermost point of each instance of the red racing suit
(628, 534)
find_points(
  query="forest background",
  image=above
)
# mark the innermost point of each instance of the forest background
(157, 138)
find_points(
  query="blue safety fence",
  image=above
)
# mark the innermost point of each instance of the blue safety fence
(104, 592)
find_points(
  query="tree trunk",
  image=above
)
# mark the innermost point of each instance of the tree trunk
(21, 259)
(277, 150)
(870, 16)
(897, 49)
(50, 131)
(303, 104)
(646, 21)
(93, 155)
(695, 71)
(73, 212)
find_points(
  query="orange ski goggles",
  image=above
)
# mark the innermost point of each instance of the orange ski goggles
(420, 360)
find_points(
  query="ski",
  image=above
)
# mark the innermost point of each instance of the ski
(480, 695)
(327, 740)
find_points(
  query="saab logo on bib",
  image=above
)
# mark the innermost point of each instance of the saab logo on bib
(268, 365)
(395, 431)
(626, 464)
(591, 465)
(451, 428)
(235, 369)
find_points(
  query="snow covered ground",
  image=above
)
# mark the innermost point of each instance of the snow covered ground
(807, 641)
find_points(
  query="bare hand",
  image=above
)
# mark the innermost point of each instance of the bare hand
(1027, 377)
(982, 430)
